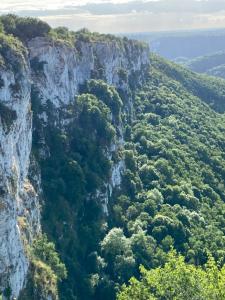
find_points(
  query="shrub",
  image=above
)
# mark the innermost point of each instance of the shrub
(177, 280)
(24, 28)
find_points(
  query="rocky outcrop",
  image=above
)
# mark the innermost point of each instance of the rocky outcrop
(59, 69)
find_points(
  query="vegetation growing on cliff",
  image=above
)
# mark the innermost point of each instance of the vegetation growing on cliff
(12, 52)
(45, 272)
(27, 28)
(7, 116)
(77, 167)
(23, 28)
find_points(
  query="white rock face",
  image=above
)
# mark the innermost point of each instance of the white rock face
(18, 200)
(65, 68)
(56, 74)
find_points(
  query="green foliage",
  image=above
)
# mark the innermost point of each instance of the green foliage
(61, 33)
(7, 293)
(177, 280)
(85, 35)
(12, 52)
(94, 115)
(1, 27)
(45, 251)
(172, 192)
(71, 38)
(44, 281)
(7, 116)
(46, 271)
(123, 76)
(209, 89)
(24, 28)
(106, 93)
(118, 252)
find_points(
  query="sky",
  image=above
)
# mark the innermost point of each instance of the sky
(121, 16)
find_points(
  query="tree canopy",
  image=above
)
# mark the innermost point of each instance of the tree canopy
(177, 280)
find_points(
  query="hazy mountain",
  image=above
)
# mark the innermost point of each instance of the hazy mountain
(184, 44)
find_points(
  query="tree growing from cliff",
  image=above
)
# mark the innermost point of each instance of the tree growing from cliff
(24, 28)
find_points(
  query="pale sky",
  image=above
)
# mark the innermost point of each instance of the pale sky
(122, 15)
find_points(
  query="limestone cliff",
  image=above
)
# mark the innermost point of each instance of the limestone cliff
(60, 69)
(53, 71)
(19, 211)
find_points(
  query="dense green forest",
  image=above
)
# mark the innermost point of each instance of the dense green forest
(172, 194)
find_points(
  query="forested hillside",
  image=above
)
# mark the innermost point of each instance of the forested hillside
(200, 51)
(178, 159)
(204, 64)
(127, 162)
(213, 64)
(172, 189)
